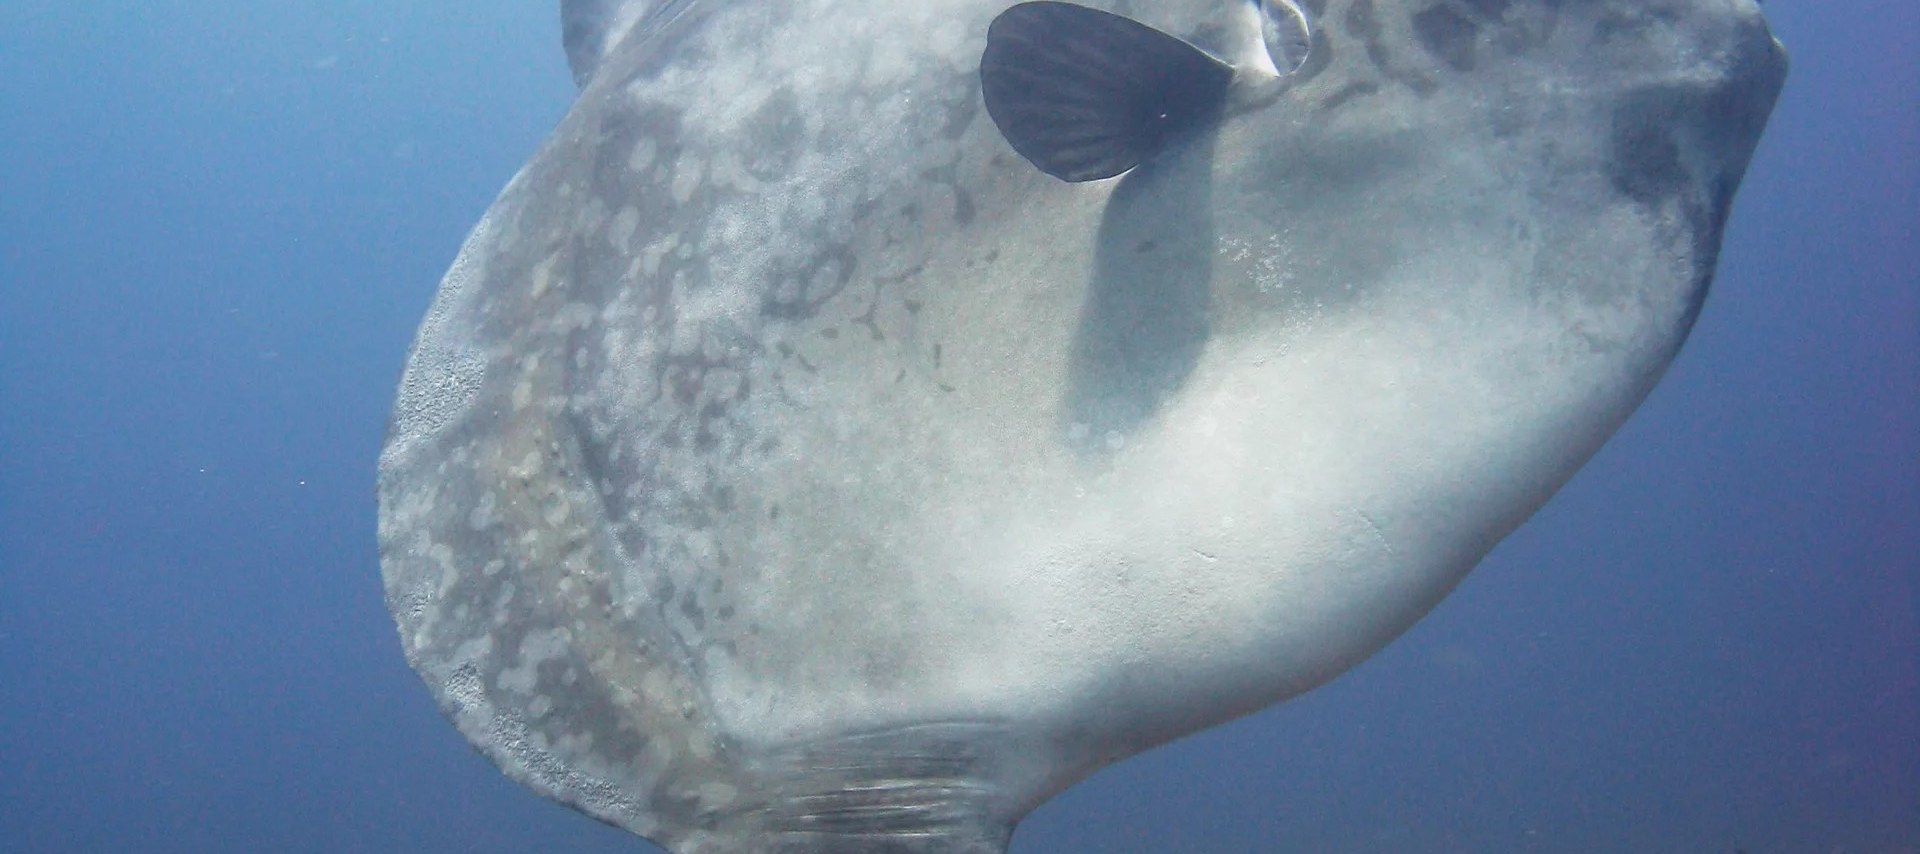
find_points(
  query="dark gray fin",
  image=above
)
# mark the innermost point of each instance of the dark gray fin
(590, 29)
(1086, 94)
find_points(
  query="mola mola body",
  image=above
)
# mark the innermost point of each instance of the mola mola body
(862, 419)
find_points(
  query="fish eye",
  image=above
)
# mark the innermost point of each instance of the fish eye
(1288, 33)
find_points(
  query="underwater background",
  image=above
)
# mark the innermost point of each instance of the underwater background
(220, 224)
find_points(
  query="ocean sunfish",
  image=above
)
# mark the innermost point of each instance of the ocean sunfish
(863, 419)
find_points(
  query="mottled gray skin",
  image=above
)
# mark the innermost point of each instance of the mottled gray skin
(786, 465)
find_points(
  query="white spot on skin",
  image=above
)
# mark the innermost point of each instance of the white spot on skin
(687, 175)
(718, 794)
(557, 512)
(700, 749)
(482, 516)
(535, 649)
(620, 232)
(948, 40)
(728, 172)
(655, 689)
(642, 156)
(529, 467)
(650, 257)
(889, 63)
(543, 275)
(518, 680)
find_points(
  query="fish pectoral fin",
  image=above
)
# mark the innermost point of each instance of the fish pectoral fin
(1085, 94)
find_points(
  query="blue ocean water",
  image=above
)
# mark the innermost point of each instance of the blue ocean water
(220, 224)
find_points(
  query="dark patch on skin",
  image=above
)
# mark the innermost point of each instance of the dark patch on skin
(1361, 22)
(963, 207)
(613, 145)
(705, 439)
(787, 352)
(776, 134)
(1448, 35)
(1357, 89)
(870, 319)
(1362, 25)
(961, 110)
(1509, 124)
(597, 462)
(1521, 34)
(1148, 308)
(912, 272)
(798, 293)
(1644, 158)
(1651, 167)
(1631, 22)
(589, 266)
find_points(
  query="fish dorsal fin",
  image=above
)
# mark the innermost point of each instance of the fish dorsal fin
(1086, 94)
(590, 29)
